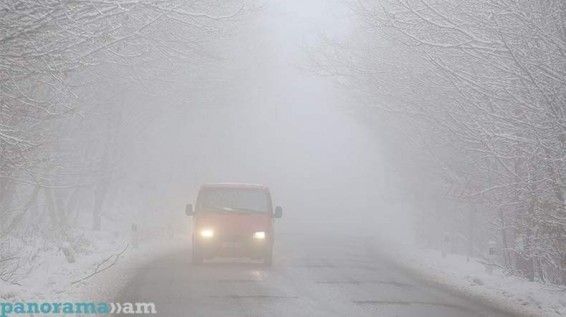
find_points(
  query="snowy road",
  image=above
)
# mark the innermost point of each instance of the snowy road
(312, 276)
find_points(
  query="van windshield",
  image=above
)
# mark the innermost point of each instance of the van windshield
(234, 200)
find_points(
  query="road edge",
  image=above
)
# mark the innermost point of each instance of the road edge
(411, 268)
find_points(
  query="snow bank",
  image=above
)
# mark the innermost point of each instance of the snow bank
(47, 275)
(470, 278)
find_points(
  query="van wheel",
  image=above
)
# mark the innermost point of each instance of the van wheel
(268, 258)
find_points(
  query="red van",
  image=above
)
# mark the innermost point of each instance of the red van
(233, 220)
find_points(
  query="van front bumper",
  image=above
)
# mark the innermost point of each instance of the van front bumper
(233, 246)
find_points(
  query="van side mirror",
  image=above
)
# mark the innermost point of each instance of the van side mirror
(278, 212)
(189, 210)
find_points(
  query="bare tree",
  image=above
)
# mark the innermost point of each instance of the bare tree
(79, 82)
(479, 88)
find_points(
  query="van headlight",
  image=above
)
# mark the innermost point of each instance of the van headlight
(207, 233)
(260, 235)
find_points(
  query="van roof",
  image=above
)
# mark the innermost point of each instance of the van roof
(234, 185)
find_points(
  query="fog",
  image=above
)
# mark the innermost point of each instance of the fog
(391, 158)
(276, 124)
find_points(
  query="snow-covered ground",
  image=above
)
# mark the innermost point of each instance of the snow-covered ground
(470, 278)
(47, 275)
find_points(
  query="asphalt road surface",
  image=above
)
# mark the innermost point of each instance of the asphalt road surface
(312, 275)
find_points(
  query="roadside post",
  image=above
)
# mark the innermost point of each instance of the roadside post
(68, 252)
(491, 254)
